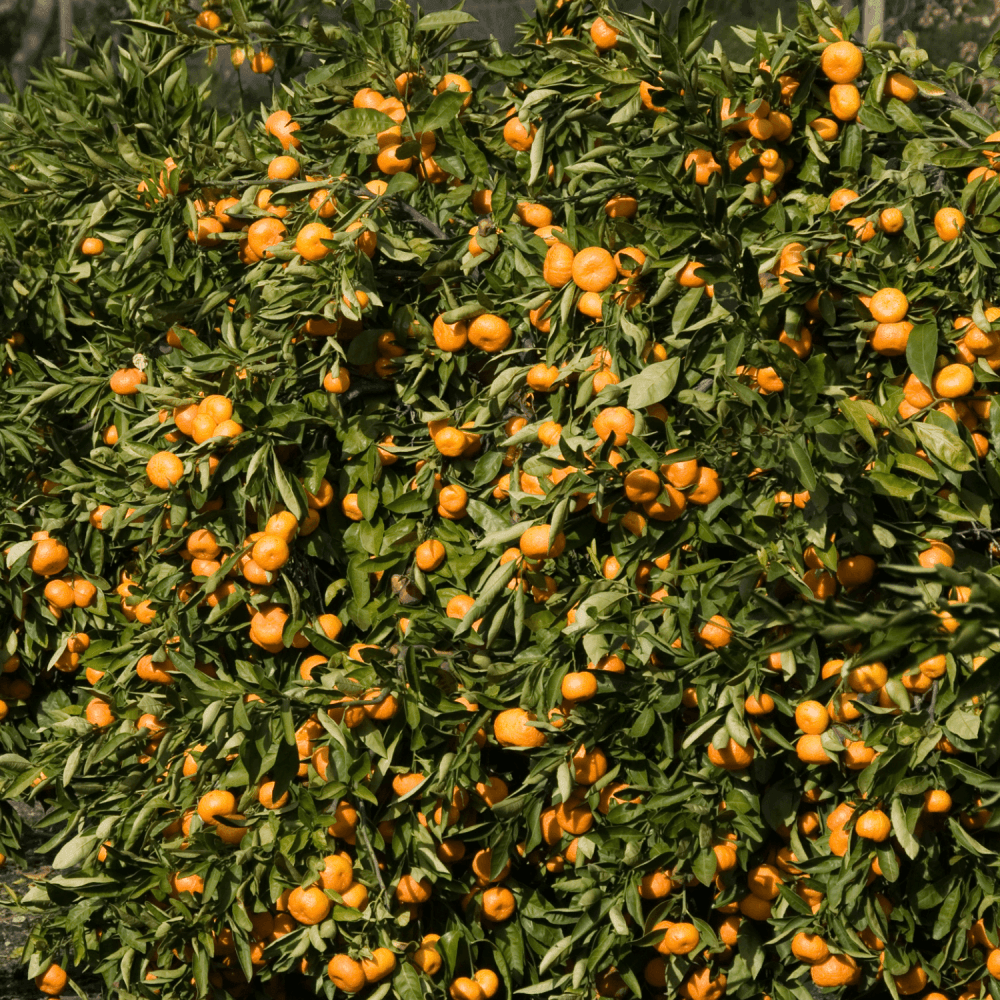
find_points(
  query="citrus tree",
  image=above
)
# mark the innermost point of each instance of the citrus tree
(498, 524)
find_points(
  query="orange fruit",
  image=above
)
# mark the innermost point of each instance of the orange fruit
(593, 269)
(888, 305)
(811, 717)
(454, 81)
(837, 970)
(891, 220)
(346, 974)
(512, 729)
(263, 234)
(949, 223)
(126, 381)
(164, 469)
(954, 381)
(899, 85)
(557, 268)
(517, 135)
(938, 554)
(841, 198)
(731, 757)
(603, 35)
(308, 243)
(842, 62)
(52, 981)
(716, 633)
(873, 824)
(309, 905)
(809, 948)
(490, 333)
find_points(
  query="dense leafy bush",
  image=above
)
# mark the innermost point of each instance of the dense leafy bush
(527, 534)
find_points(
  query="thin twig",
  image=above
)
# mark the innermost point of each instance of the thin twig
(416, 216)
(368, 845)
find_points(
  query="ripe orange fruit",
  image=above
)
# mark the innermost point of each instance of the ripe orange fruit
(842, 62)
(92, 246)
(949, 223)
(557, 268)
(810, 948)
(912, 981)
(841, 198)
(309, 905)
(280, 125)
(704, 164)
(937, 554)
(873, 824)
(993, 963)
(308, 243)
(346, 974)
(680, 939)
(810, 750)
(517, 135)
(614, 421)
(716, 633)
(845, 101)
(430, 555)
(498, 904)
(826, 128)
(48, 557)
(52, 981)
(270, 552)
(954, 381)
(603, 35)
(214, 804)
(454, 81)
(811, 717)
(594, 269)
(731, 757)
(536, 542)
(688, 276)
(164, 469)
(899, 85)
(891, 220)
(579, 686)
(490, 333)
(837, 970)
(263, 234)
(465, 988)
(412, 890)
(126, 381)
(427, 958)
(888, 305)
(512, 729)
(763, 705)
(937, 800)
(283, 168)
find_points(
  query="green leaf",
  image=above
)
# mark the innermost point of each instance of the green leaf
(921, 351)
(653, 384)
(444, 108)
(685, 309)
(856, 411)
(945, 446)
(892, 486)
(443, 19)
(901, 831)
(362, 122)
